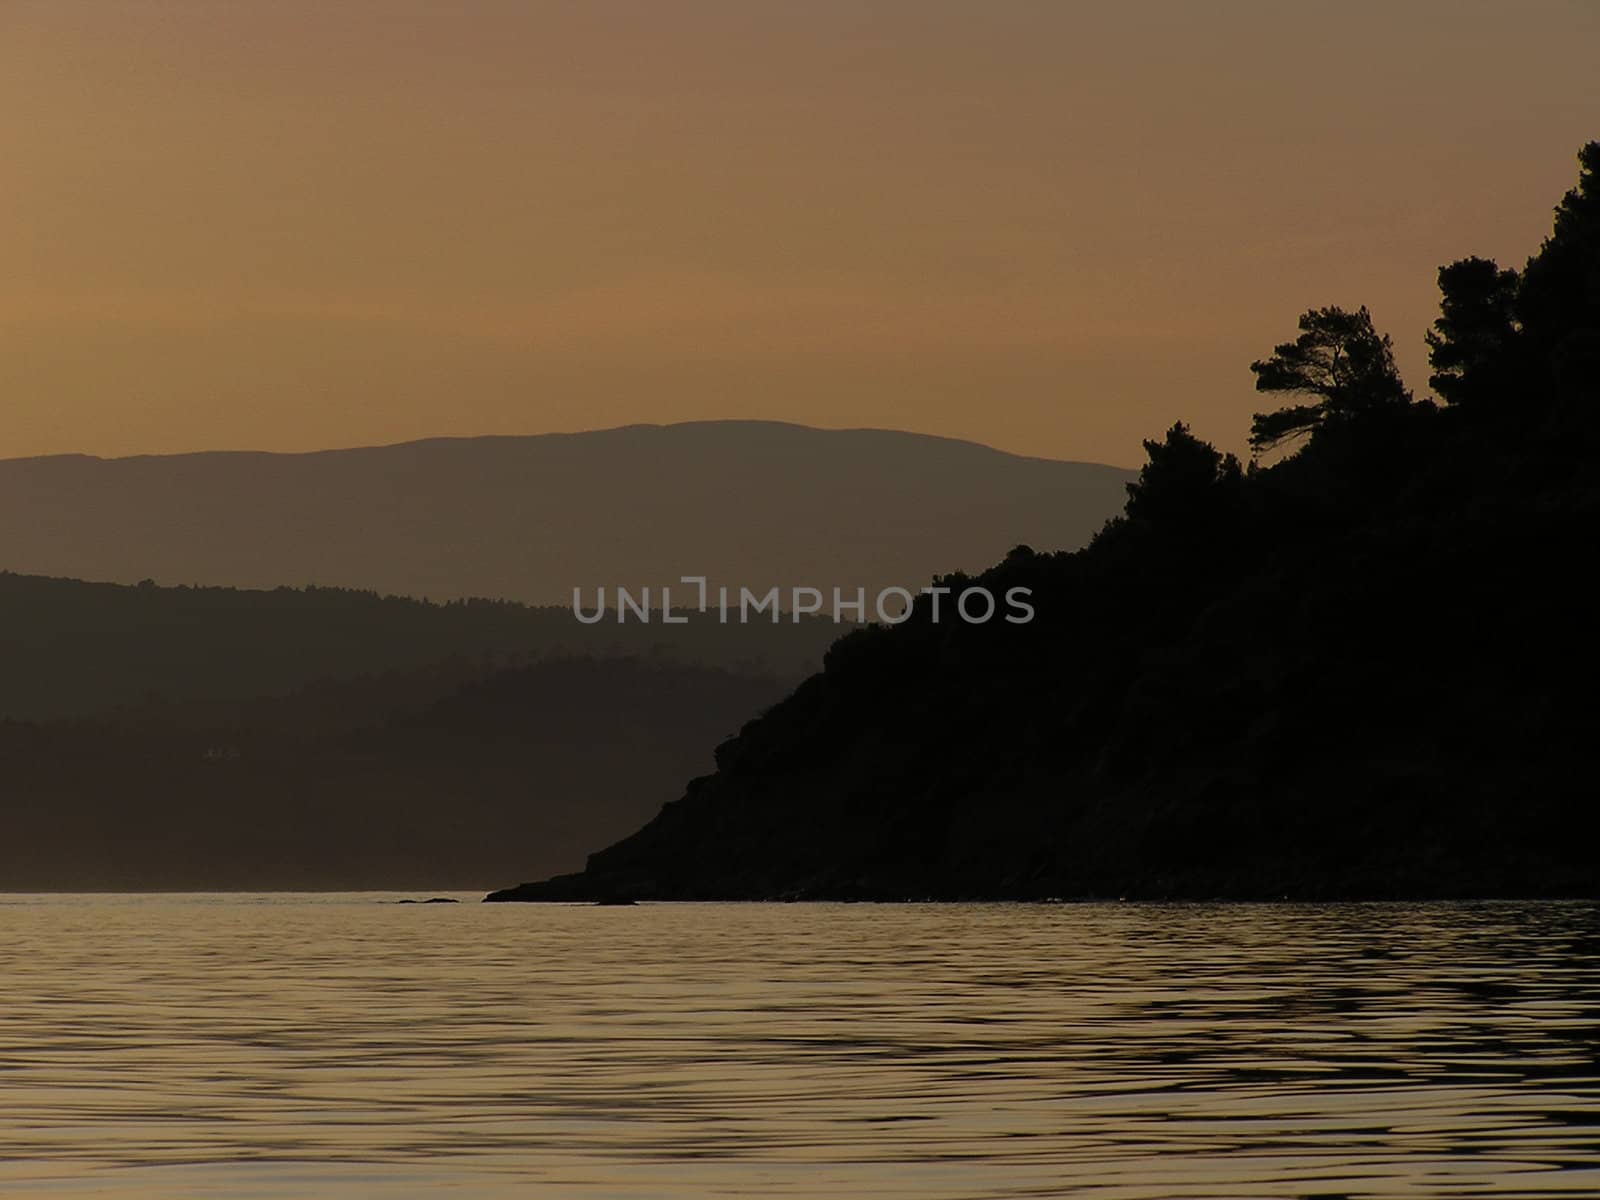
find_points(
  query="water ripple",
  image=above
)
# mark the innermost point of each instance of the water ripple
(332, 1046)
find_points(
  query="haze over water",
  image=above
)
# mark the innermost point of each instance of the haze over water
(345, 1046)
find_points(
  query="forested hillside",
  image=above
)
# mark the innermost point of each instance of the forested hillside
(1364, 665)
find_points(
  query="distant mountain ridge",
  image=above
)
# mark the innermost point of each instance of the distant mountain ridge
(70, 649)
(529, 518)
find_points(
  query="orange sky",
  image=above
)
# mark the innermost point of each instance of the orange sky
(1051, 227)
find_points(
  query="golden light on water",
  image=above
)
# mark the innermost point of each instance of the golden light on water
(295, 1046)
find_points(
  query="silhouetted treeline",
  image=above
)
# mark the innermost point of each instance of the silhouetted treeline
(69, 648)
(1365, 665)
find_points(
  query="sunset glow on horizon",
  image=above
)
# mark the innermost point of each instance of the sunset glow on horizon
(292, 226)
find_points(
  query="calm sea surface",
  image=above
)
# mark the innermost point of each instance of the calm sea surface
(348, 1046)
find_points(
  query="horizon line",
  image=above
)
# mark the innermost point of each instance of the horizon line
(764, 422)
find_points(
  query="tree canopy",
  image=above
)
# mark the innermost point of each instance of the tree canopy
(1340, 362)
(1185, 480)
(1560, 293)
(1471, 343)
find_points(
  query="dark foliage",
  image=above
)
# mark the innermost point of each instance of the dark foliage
(1186, 485)
(1473, 346)
(1341, 363)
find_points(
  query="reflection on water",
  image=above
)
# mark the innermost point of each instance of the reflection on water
(345, 1046)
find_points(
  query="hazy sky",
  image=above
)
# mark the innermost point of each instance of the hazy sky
(1052, 227)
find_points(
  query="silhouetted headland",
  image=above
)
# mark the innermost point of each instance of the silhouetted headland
(1364, 670)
